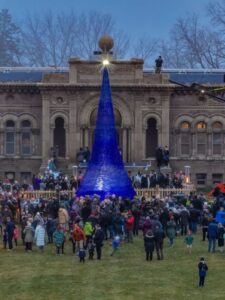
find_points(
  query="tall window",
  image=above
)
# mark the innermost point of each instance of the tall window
(185, 138)
(201, 179)
(151, 137)
(185, 143)
(26, 137)
(217, 143)
(10, 138)
(201, 138)
(60, 137)
(217, 178)
(185, 125)
(217, 138)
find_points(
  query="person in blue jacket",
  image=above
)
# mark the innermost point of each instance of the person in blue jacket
(212, 236)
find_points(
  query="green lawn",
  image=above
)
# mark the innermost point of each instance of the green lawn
(125, 276)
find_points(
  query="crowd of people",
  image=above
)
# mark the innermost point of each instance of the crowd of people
(151, 180)
(88, 222)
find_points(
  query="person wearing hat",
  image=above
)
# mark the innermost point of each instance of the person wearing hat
(149, 243)
(202, 270)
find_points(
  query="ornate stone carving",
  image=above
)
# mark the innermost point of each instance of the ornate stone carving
(59, 101)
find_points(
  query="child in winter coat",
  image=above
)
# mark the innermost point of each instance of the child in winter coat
(202, 270)
(59, 238)
(82, 255)
(189, 241)
(115, 244)
(40, 236)
(29, 235)
(16, 234)
(91, 248)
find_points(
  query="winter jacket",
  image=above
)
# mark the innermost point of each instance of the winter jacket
(184, 217)
(40, 235)
(129, 223)
(147, 225)
(58, 238)
(99, 237)
(10, 226)
(78, 233)
(63, 216)
(212, 231)
(29, 234)
(171, 229)
(88, 229)
(149, 242)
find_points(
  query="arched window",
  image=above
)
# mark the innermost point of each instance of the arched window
(151, 137)
(217, 125)
(10, 137)
(185, 138)
(217, 138)
(59, 138)
(185, 125)
(201, 125)
(26, 137)
(201, 138)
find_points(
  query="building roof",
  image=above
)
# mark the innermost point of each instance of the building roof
(188, 76)
(20, 74)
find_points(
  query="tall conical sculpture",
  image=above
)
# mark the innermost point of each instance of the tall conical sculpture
(106, 174)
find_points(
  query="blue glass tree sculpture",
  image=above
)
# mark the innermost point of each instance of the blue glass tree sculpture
(105, 174)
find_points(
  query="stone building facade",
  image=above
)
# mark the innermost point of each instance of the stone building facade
(42, 108)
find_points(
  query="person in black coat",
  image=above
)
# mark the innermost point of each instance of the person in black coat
(202, 269)
(159, 156)
(149, 244)
(10, 226)
(205, 225)
(98, 240)
(184, 220)
(159, 236)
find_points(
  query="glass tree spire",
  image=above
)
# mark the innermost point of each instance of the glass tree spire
(105, 174)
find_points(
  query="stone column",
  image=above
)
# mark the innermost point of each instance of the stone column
(165, 98)
(159, 131)
(193, 143)
(144, 128)
(124, 144)
(209, 145)
(137, 142)
(18, 150)
(86, 136)
(72, 130)
(129, 144)
(46, 141)
(67, 154)
(2, 142)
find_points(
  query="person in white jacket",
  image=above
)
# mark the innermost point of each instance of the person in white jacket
(40, 236)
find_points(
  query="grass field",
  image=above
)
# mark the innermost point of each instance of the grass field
(125, 276)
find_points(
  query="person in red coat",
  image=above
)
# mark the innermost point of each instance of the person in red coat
(78, 236)
(129, 224)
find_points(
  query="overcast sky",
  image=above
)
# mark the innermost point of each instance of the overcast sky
(136, 17)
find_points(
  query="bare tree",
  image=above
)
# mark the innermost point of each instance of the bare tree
(216, 11)
(146, 48)
(9, 40)
(49, 40)
(52, 40)
(192, 45)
